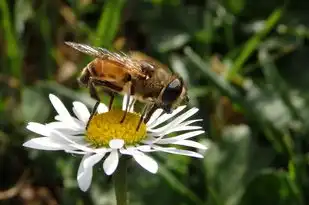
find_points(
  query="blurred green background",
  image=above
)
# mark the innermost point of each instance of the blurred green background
(246, 64)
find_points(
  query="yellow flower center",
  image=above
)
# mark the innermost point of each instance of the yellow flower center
(107, 126)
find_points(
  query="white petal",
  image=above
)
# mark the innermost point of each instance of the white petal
(71, 122)
(102, 150)
(190, 143)
(76, 152)
(154, 116)
(84, 148)
(180, 137)
(72, 132)
(84, 176)
(38, 128)
(116, 143)
(92, 160)
(65, 127)
(60, 137)
(184, 128)
(76, 139)
(153, 140)
(59, 106)
(146, 162)
(188, 122)
(66, 139)
(81, 111)
(111, 162)
(81, 165)
(132, 104)
(58, 125)
(166, 116)
(181, 127)
(124, 102)
(84, 179)
(175, 122)
(178, 151)
(102, 108)
(44, 143)
(128, 151)
(144, 148)
(67, 131)
(176, 129)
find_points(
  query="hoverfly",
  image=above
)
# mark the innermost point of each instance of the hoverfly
(145, 81)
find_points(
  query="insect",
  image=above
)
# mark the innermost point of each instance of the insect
(119, 73)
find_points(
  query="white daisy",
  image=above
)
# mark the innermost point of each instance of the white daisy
(106, 136)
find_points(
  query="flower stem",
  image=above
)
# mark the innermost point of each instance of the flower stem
(120, 181)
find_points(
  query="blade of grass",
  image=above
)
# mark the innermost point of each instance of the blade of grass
(108, 23)
(12, 48)
(294, 187)
(252, 44)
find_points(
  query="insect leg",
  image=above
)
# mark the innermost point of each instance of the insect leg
(151, 111)
(132, 103)
(93, 94)
(111, 100)
(127, 103)
(109, 85)
(112, 89)
(111, 94)
(146, 107)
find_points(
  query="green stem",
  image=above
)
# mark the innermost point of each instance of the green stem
(120, 181)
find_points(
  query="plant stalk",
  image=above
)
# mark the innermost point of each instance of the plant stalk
(120, 181)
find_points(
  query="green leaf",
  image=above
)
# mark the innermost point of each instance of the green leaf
(109, 23)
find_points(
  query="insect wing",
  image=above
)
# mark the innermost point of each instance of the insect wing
(93, 51)
(131, 65)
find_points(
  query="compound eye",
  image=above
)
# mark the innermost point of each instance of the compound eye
(172, 91)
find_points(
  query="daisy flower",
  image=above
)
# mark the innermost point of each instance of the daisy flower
(107, 139)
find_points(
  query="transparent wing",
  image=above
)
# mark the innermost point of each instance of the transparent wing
(91, 50)
(133, 66)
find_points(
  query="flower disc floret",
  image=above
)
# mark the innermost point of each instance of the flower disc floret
(107, 126)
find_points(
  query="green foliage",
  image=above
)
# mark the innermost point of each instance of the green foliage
(245, 63)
